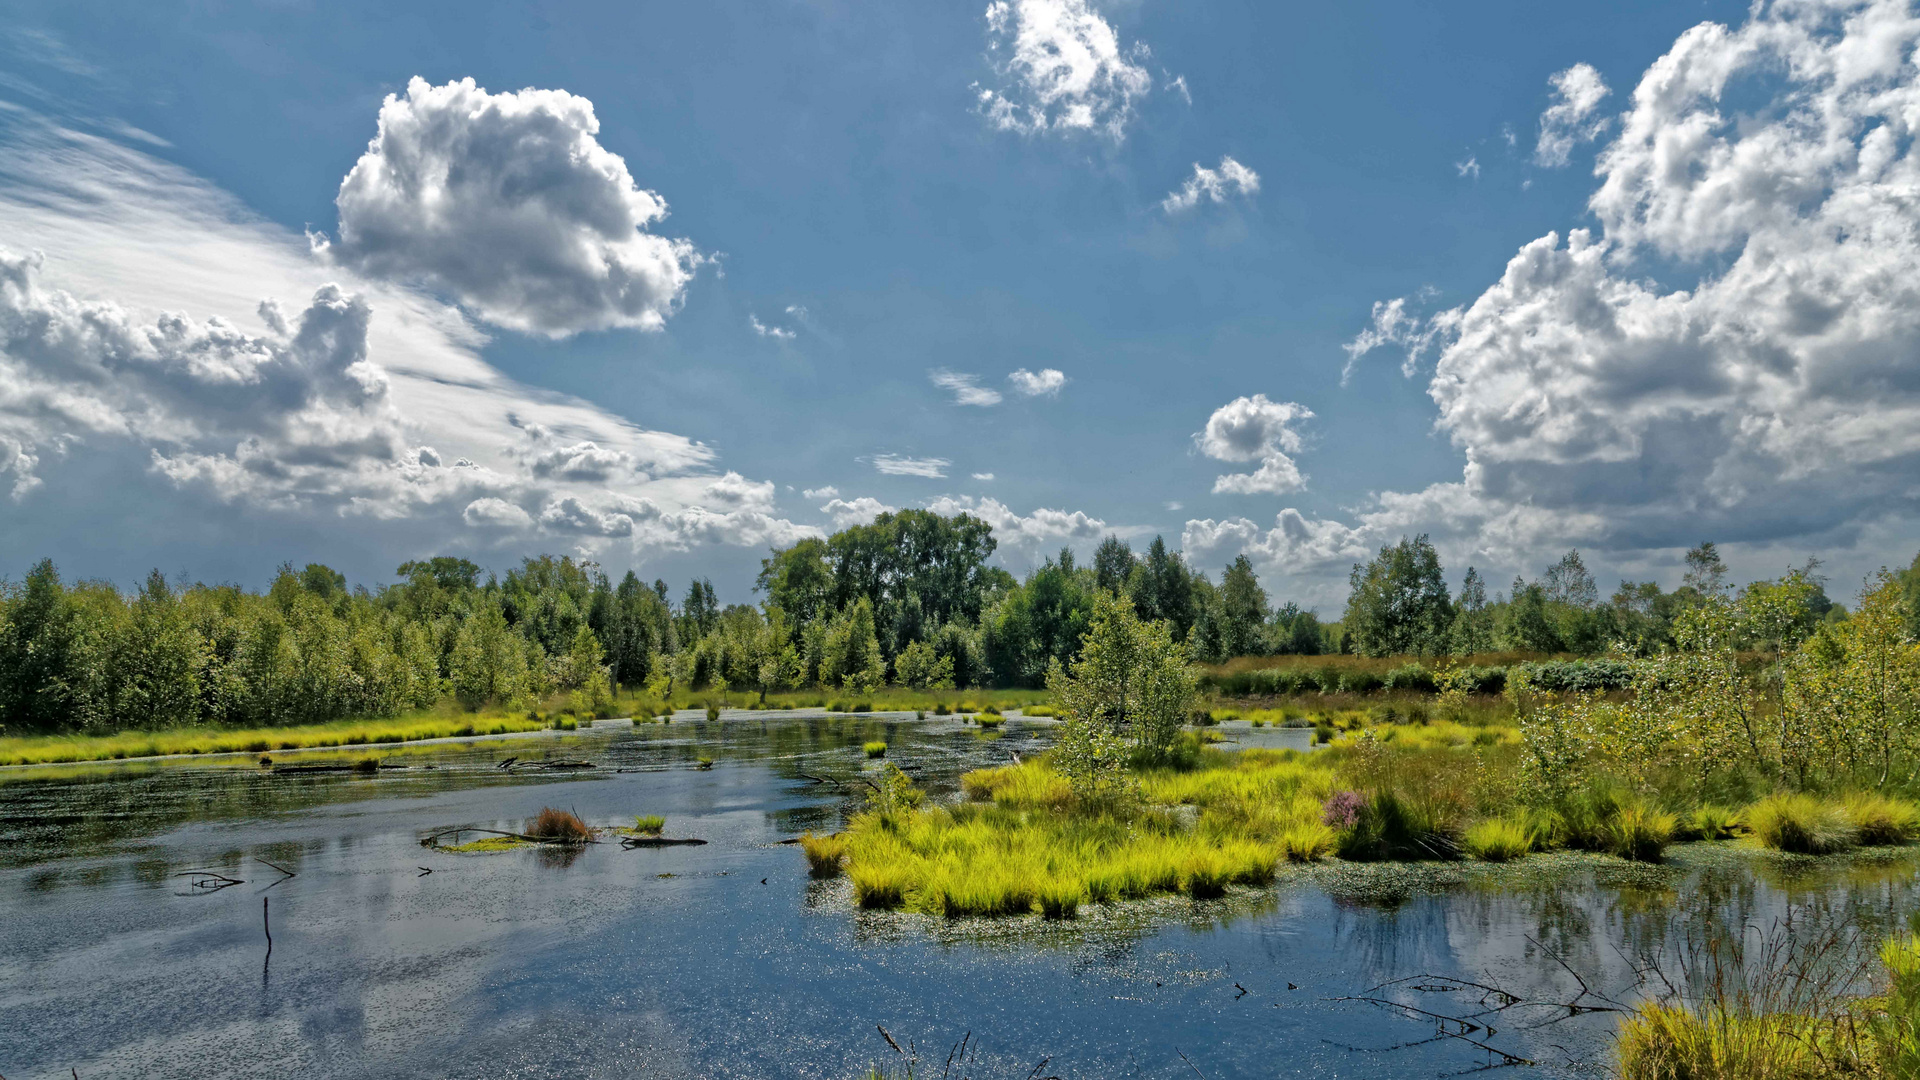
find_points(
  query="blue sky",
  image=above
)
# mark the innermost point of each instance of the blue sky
(859, 199)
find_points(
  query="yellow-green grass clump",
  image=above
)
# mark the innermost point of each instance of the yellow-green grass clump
(824, 853)
(1025, 844)
(1498, 840)
(53, 749)
(875, 749)
(649, 824)
(1802, 824)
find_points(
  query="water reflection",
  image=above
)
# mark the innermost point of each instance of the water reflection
(728, 960)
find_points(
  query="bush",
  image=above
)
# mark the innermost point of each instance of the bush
(1801, 824)
(1578, 676)
(1409, 677)
(713, 711)
(941, 708)
(1498, 840)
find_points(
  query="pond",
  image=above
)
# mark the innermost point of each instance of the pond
(727, 960)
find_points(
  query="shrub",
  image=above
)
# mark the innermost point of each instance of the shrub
(713, 711)
(649, 823)
(1498, 840)
(991, 722)
(1878, 819)
(825, 854)
(367, 766)
(941, 708)
(1801, 824)
(863, 706)
(560, 826)
(876, 749)
(1409, 677)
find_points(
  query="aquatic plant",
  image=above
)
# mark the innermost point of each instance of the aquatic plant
(713, 711)
(367, 766)
(1639, 832)
(1711, 822)
(876, 749)
(990, 722)
(650, 824)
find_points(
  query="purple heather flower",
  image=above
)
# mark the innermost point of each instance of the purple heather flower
(1342, 809)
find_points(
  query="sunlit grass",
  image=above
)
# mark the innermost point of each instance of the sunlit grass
(50, 749)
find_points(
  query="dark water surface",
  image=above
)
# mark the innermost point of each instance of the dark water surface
(727, 961)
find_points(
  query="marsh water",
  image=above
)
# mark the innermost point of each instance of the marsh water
(727, 960)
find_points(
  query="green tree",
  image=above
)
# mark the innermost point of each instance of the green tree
(1472, 630)
(159, 665)
(1398, 603)
(1113, 564)
(1243, 606)
(1162, 588)
(40, 654)
(1132, 682)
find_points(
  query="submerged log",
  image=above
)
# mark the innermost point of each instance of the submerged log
(631, 842)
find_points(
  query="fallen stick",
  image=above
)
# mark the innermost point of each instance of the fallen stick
(631, 842)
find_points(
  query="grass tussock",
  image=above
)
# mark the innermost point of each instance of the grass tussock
(876, 749)
(559, 826)
(1497, 840)
(1801, 824)
(649, 824)
(824, 853)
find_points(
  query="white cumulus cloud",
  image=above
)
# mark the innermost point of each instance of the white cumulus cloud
(778, 333)
(1255, 429)
(966, 389)
(1227, 180)
(1045, 382)
(1572, 117)
(826, 492)
(1039, 528)
(1062, 69)
(860, 511)
(508, 203)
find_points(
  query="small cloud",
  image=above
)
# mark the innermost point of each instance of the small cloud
(1178, 85)
(1570, 120)
(1046, 381)
(895, 465)
(966, 389)
(1469, 167)
(1507, 134)
(1175, 507)
(778, 333)
(983, 476)
(827, 492)
(1214, 185)
(860, 511)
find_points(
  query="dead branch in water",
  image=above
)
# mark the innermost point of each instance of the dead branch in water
(433, 839)
(631, 842)
(208, 880)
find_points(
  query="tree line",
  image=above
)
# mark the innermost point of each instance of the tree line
(910, 599)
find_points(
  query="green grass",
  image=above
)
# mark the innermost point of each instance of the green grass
(824, 853)
(649, 824)
(1497, 840)
(53, 749)
(876, 749)
(1802, 824)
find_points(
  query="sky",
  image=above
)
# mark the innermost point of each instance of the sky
(668, 285)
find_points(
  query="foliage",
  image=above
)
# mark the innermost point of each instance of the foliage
(1398, 603)
(1131, 682)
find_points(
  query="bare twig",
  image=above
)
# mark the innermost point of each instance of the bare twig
(890, 1042)
(1190, 1065)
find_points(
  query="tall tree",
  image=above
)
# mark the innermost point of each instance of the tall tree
(1163, 589)
(1472, 622)
(1113, 564)
(1398, 603)
(1243, 607)
(39, 653)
